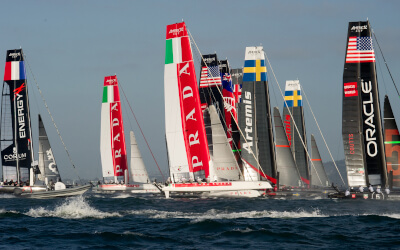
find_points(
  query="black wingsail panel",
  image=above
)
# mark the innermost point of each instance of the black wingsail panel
(255, 118)
(392, 142)
(294, 103)
(16, 147)
(209, 89)
(361, 118)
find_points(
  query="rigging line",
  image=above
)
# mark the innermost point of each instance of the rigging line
(220, 113)
(385, 63)
(383, 78)
(326, 144)
(52, 119)
(291, 115)
(148, 146)
(208, 89)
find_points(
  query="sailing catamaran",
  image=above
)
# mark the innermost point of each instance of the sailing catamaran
(191, 166)
(23, 175)
(113, 149)
(294, 103)
(361, 119)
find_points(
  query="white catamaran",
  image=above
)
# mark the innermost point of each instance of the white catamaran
(113, 149)
(192, 169)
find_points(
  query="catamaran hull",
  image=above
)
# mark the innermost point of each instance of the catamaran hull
(24, 189)
(129, 188)
(216, 187)
(74, 191)
(302, 194)
(234, 194)
(365, 196)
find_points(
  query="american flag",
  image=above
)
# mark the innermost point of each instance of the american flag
(238, 92)
(210, 77)
(360, 50)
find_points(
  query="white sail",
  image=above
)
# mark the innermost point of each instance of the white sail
(105, 139)
(225, 165)
(178, 162)
(138, 169)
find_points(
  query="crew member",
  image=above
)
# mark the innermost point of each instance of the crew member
(361, 189)
(371, 188)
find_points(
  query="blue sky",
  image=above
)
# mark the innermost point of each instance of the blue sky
(71, 45)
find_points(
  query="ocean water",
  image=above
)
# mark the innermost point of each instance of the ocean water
(123, 221)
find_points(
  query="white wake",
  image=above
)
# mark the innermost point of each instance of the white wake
(72, 208)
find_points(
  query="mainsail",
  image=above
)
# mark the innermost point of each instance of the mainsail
(224, 161)
(318, 174)
(294, 103)
(16, 135)
(361, 117)
(187, 147)
(112, 138)
(285, 164)
(392, 142)
(47, 162)
(255, 119)
(138, 169)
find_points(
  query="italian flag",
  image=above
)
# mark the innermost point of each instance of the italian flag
(178, 50)
(110, 94)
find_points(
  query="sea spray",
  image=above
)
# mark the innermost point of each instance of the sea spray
(72, 208)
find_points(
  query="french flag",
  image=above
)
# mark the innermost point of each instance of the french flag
(15, 70)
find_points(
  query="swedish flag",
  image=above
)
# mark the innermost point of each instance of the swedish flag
(254, 70)
(293, 98)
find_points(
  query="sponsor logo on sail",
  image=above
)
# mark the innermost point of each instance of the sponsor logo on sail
(14, 55)
(288, 129)
(111, 81)
(350, 89)
(175, 31)
(359, 28)
(20, 110)
(369, 113)
(209, 59)
(351, 143)
(13, 156)
(249, 122)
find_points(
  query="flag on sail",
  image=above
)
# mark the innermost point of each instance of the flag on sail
(15, 70)
(177, 47)
(293, 96)
(254, 70)
(210, 76)
(238, 92)
(359, 50)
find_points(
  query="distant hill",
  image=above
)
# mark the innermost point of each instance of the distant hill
(333, 173)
